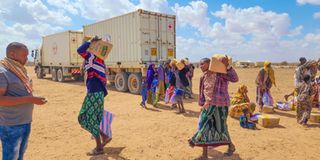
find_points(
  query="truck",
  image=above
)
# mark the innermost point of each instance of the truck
(58, 56)
(139, 38)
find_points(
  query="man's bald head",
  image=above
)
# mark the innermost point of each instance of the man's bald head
(18, 52)
(15, 46)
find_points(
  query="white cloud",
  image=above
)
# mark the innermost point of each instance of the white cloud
(155, 5)
(26, 21)
(313, 38)
(254, 20)
(316, 15)
(98, 10)
(40, 12)
(12, 12)
(315, 2)
(194, 15)
(28, 34)
(296, 31)
(245, 33)
(65, 5)
(103, 9)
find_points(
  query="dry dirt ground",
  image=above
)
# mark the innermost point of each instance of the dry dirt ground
(160, 133)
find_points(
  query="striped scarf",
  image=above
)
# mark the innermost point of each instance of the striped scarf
(19, 70)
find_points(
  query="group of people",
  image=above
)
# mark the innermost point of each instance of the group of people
(171, 82)
(307, 88)
(305, 94)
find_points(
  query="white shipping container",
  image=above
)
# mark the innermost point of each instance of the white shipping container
(61, 49)
(138, 38)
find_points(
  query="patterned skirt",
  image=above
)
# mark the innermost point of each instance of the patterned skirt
(90, 115)
(303, 111)
(149, 97)
(161, 88)
(213, 129)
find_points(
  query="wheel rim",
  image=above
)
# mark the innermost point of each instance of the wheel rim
(59, 75)
(54, 74)
(120, 82)
(134, 83)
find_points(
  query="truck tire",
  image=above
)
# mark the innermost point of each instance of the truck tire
(121, 82)
(134, 83)
(40, 75)
(54, 74)
(60, 76)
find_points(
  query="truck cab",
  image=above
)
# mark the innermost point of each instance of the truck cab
(36, 55)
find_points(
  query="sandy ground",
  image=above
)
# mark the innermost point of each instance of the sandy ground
(159, 133)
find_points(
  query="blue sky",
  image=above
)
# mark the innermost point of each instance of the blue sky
(256, 30)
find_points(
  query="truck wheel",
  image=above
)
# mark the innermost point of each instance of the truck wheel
(60, 75)
(134, 83)
(121, 82)
(39, 73)
(54, 74)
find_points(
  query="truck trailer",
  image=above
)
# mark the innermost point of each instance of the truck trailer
(58, 56)
(139, 38)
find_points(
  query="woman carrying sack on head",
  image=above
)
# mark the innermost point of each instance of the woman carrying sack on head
(264, 82)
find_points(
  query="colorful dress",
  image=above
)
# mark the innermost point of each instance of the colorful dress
(177, 96)
(144, 93)
(213, 128)
(244, 123)
(264, 82)
(91, 112)
(161, 79)
(304, 108)
(149, 79)
(317, 94)
(154, 90)
(241, 101)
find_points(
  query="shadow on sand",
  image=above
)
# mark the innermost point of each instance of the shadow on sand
(110, 153)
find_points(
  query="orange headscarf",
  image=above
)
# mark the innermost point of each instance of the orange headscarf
(270, 72)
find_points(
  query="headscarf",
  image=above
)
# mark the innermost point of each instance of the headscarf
(19, 70)
(150, 76)
(270, 72)
(242, 92)
(313, 68)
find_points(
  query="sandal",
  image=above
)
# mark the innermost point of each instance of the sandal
(230, 151)
(191, 144)
(95, 152)
(142, 105)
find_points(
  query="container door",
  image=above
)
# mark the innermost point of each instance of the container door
(75, 41)
(167, 38)
(149, 38)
